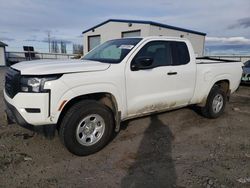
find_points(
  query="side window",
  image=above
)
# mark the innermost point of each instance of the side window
(180, 53)
(159, 51)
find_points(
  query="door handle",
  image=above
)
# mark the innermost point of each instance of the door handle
(172, 73)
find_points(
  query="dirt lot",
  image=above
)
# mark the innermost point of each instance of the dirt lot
(174, 149)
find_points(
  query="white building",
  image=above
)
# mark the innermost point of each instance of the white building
(2, 54)
(113, 29)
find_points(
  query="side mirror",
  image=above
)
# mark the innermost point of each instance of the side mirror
(142, 63)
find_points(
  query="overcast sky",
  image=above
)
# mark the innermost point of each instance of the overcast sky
(27, 22)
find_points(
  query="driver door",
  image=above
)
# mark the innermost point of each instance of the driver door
(150, 89)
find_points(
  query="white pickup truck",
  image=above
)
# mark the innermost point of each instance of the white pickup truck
(86, 99)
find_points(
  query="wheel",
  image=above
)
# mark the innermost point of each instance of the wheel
(215, 104)
(86, 127)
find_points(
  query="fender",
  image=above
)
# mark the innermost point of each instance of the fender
(87, 90)
(211, 83)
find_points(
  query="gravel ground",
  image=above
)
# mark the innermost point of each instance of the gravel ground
(174, 149)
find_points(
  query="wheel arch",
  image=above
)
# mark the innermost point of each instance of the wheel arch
(223, 84)
(105, 98)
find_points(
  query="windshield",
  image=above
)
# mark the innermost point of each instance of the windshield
(247, 64)
(113, 51)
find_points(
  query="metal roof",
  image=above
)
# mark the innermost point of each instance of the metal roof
(146, 22)
(2, 44)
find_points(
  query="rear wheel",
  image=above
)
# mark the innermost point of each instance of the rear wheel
(215, 104)
(86, 128)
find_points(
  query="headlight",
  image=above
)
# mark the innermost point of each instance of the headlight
(35, 84)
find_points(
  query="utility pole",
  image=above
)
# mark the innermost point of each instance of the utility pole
(49, 40)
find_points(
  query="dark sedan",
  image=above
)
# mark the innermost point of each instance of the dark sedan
(246, 72)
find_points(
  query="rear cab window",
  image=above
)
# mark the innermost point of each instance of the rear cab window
(180, 53)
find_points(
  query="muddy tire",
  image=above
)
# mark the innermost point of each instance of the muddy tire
(216, 103)
(86, 127)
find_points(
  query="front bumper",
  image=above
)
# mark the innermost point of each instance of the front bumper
(25, 119)
(14, 116)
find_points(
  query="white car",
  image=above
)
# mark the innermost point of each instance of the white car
(121, 79)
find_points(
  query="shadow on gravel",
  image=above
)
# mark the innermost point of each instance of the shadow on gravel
(153, 166)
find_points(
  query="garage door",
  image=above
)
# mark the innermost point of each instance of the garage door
(127, 34)
(93, 41)
(2, 57)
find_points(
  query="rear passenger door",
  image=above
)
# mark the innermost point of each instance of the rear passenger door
(184, 73)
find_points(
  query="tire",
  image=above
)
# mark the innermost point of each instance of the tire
(211, 110)
(86, 127)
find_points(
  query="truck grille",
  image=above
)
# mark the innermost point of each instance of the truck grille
(12, 80)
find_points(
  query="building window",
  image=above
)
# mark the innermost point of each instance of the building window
(93, 41)
(136, 33)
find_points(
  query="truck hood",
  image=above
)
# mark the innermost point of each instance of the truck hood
(45, 67)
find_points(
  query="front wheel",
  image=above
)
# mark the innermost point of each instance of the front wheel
(86, 128)
(215, 104)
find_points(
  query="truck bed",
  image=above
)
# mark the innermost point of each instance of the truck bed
(209, 70)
